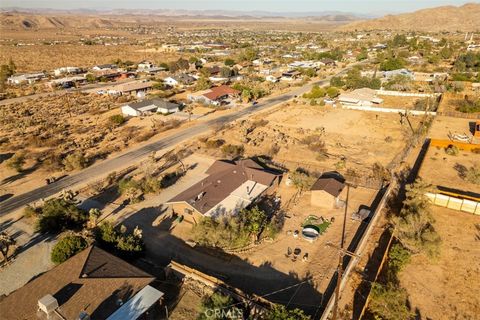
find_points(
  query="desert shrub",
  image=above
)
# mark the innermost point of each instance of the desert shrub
(150, 185)
(301, 180)
(398, 257)
(233, 151)
(131, 189)
(170, 124)
(233, 231)
(214, 143)
(259, 123)
(315, 143)
(469, 106)
(392, 64)
(127, 245)
(388, 139)
(59, 214)
(170, 179)
(452, 150)
(74, 161)
(337, 82)
(472, 174)
(273, 151)
(216, 302)
(280, 312)
(16, 162)
(145, 136)
(379, 172)
(315, 93)
(117, 119)
(67, 247)
(30, 212)
(414, 225)
(333, 92)
(389, 302)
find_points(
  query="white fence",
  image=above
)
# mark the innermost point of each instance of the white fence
(390, 110)
(454, 203)
(406, 94)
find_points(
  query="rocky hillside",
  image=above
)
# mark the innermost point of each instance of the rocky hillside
(15, 21)
(447, 18)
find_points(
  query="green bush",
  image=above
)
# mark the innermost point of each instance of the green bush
(67, 247)
(117, 119)
(398, 257)
(74, 161)
(127, 245)
(392, 64)
(315, 93)
(235, 231)
(58, 214)
(332, 92)
(389, 302)
(280, 312)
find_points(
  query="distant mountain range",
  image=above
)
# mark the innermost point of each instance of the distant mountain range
(450, 18)
(193, 13)
(446, 18)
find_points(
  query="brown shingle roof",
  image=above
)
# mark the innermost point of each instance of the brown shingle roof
(224, 177)
(330, 182)
(218, 92)
(93, 280)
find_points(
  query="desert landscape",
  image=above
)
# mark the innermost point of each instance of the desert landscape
(202, 161)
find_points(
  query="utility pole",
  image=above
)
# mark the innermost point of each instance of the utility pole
(342, 252)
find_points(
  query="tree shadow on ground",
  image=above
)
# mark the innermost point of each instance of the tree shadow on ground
(6, 196)
(20, 175)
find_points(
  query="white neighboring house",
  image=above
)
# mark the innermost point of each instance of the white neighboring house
(66, 70)
(271, 78)
(149, 106)
(104, 67)
(27, 77)
(170, 81)
(360, 97)
(144, 65)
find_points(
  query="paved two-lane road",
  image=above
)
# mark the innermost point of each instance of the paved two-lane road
(134, 156)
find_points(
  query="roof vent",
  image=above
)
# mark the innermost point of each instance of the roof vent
(200, 195)
(48, 304)
(218, 181)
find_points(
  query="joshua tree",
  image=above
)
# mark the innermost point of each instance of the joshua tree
(6, 241)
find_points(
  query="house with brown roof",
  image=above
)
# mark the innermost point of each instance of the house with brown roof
(229, 187)
(93, 283)
(328, 190)
(216, 95)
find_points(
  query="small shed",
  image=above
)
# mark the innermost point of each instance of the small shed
(327, 190)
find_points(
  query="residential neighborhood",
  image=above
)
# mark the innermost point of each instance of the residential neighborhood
(207, 160)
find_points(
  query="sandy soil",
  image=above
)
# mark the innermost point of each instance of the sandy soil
(398, 102)
(445, 170)
(448, 288)
(443, 125)
(356, 136)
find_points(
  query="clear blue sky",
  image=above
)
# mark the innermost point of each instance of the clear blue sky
(357, 6)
